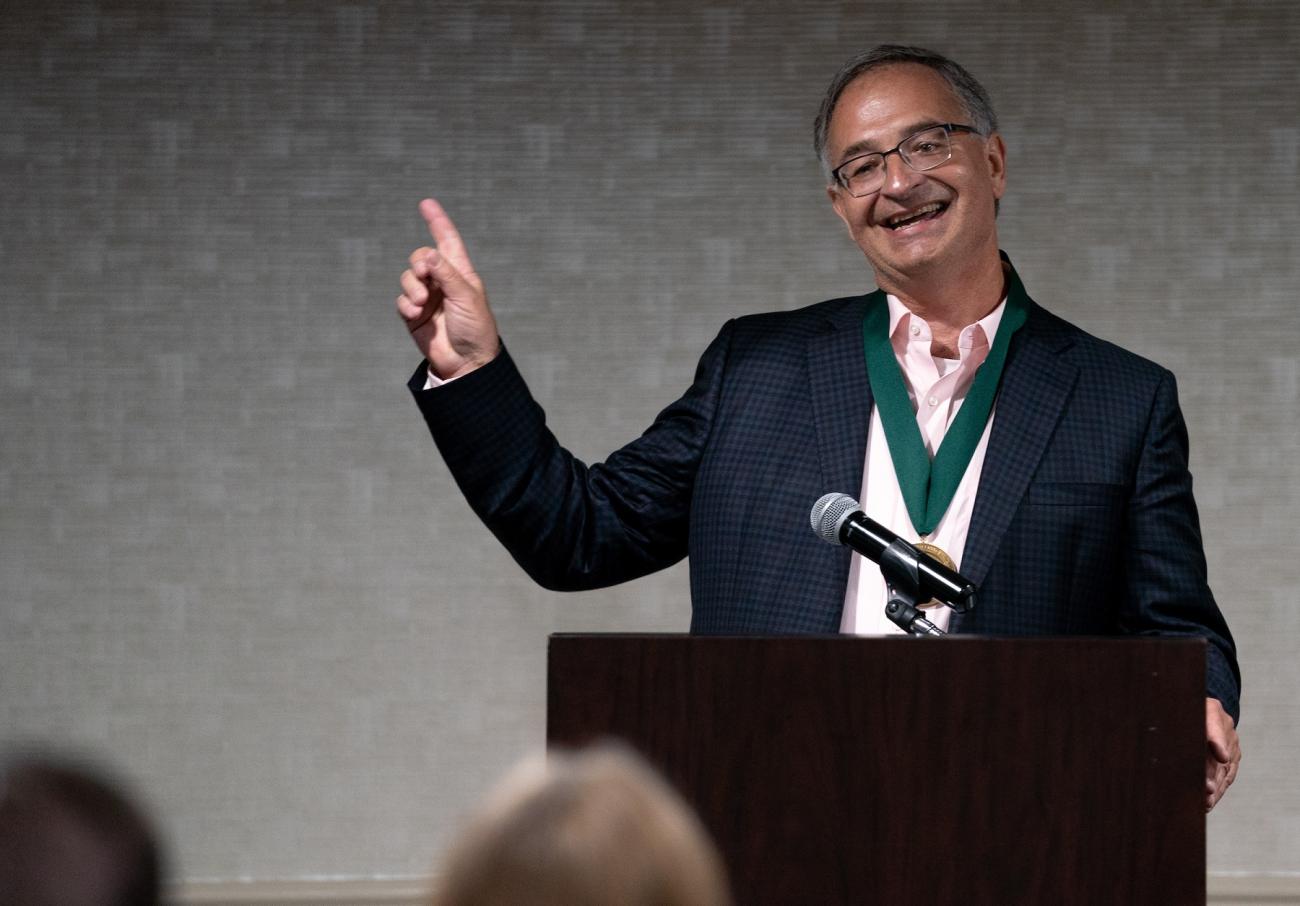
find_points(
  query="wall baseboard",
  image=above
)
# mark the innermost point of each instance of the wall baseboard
(399, 892)
(1223, 890)
(1253, 890)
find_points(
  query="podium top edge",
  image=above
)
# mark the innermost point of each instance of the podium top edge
(836, 638)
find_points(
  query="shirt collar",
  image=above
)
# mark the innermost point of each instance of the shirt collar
(980, 333)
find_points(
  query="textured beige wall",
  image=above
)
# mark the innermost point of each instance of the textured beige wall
(231, 562)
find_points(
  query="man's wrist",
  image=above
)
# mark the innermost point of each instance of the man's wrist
(431, 379)
(472, 363)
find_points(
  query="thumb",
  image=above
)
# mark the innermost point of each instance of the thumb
(469, 321)
(449, 279)
(1219, 749)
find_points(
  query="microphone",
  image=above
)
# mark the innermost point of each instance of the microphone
(838, 519)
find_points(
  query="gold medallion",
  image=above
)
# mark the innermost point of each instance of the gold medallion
(937, 553)
(941, 555)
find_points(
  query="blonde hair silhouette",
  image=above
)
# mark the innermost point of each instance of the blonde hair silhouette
(591, 828)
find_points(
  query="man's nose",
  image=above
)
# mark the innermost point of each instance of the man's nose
(899, 177)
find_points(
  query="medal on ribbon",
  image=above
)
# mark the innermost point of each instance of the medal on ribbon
(928, 486)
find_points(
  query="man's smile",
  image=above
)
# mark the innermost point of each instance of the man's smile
(917, 215)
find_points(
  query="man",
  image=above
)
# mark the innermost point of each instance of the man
(1062, 490)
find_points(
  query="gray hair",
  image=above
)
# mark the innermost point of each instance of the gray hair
(970, 92)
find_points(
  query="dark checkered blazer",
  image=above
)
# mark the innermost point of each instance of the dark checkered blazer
(1084, 522)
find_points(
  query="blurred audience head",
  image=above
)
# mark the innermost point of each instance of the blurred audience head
(69, 838)
(593, 828)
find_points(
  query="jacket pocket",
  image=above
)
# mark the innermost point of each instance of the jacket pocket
(1075, 493)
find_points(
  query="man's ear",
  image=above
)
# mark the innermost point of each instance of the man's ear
(995, 155)
(837, 202)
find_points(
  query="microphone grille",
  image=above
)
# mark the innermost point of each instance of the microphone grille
(829, 513)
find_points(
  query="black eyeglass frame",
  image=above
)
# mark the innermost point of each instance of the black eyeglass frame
(948, 128)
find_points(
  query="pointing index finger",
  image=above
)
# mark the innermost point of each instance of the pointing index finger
(445, 234)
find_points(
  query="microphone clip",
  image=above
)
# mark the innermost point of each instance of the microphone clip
(899, 564)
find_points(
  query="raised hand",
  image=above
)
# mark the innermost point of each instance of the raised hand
(443, 303)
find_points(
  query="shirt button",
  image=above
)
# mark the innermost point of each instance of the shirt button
(916, 331)
(933, 401)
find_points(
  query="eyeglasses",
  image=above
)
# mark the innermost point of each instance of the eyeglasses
(921, 151)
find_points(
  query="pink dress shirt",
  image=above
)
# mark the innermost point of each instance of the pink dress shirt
(937, 388)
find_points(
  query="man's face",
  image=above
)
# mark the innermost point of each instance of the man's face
(920, 225)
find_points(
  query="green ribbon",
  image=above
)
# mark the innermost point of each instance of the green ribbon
(928, 487)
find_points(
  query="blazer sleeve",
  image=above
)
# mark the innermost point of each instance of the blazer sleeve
(572, 526)
(1169, 591)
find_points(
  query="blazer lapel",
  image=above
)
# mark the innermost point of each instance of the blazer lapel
(841, 397)
(841, 408)
(1035, 386)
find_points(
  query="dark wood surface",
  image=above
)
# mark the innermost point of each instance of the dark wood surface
(915, 771)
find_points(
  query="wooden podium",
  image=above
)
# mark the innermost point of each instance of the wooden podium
(896, 771)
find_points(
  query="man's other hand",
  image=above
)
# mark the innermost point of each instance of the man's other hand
(1222, 752)
(443, 303)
